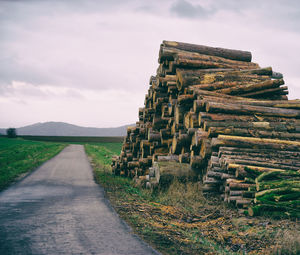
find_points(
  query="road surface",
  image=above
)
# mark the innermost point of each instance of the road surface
(59, 209)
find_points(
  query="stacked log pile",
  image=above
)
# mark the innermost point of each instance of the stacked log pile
(222, 114)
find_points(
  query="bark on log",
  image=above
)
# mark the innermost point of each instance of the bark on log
(258, 151)
(265, 209)
(169, 158)
(204, 76)
(215, 131)
(263, 93)
(215, 86)
(242, 89)
(184, 158)
(197, 162)
(251, 142)
(239, 186)
(213, 51)
(165, 172)
(200, 61)
(257, 125)
(285, 165)
(251, 110)
(292, 104)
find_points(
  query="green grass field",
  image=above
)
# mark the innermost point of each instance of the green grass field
(21, 155)
(18, 156)
(75, 139)
(101, 153)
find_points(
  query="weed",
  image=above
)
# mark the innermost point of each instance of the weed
(288, 242)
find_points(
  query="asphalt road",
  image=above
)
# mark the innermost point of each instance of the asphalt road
(59, 209)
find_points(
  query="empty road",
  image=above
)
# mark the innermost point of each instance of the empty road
(59, 209)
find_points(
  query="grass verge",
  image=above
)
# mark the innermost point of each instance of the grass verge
(18, 156)
(182, 221)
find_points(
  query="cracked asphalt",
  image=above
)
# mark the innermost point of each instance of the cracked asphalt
(59, 209)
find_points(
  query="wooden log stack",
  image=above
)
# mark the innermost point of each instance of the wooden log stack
(224, 115)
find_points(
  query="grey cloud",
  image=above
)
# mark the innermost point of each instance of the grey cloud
(16, 90)
(33, 32)
(283, 14)
(185, 9)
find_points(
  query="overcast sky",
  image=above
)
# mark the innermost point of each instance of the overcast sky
(89, 62)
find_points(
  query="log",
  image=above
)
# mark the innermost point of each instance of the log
(191, 131)
(263, 93)
(209, 180)
(206, 148)
(233, 199)
(277, 184)
(209, 96)
(214, 86)
(145, 162)
(202, 99)
(257, 125)
(193, 120)
(252, 170)
(277, 191)
(153, 136)
(251, 142)
(241, 89)
(291, 164)
(197, 106)
(169, 158)
(239, 186)
(133, 164)
(179, 114)
(200, 61)
(277, 175)
(215, 131)
(213, 51)
(165, 172)
(288, 196)
(242, 202)
(165, 133)
(185, 100)
(251, 109)
(209, 188)
(256, 152)
(189, 59)
(262, 209)
(197, 162)
(217, 175)
(225, 176)
(159, 122)
(186, 120)
(204, 76)
(203, 116)
(184, 158)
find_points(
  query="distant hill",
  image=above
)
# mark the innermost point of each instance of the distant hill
(66, 129)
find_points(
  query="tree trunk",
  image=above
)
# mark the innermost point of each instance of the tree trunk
(242, 89)
(251, 110)
(212, 51)
(251, 142)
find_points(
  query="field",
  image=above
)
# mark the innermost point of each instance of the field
(18, 156)
(76, 139)
(25, 153)
(181, 220)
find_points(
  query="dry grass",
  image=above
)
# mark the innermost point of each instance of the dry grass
(288, 242)
(180, 220)
(180, 195)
